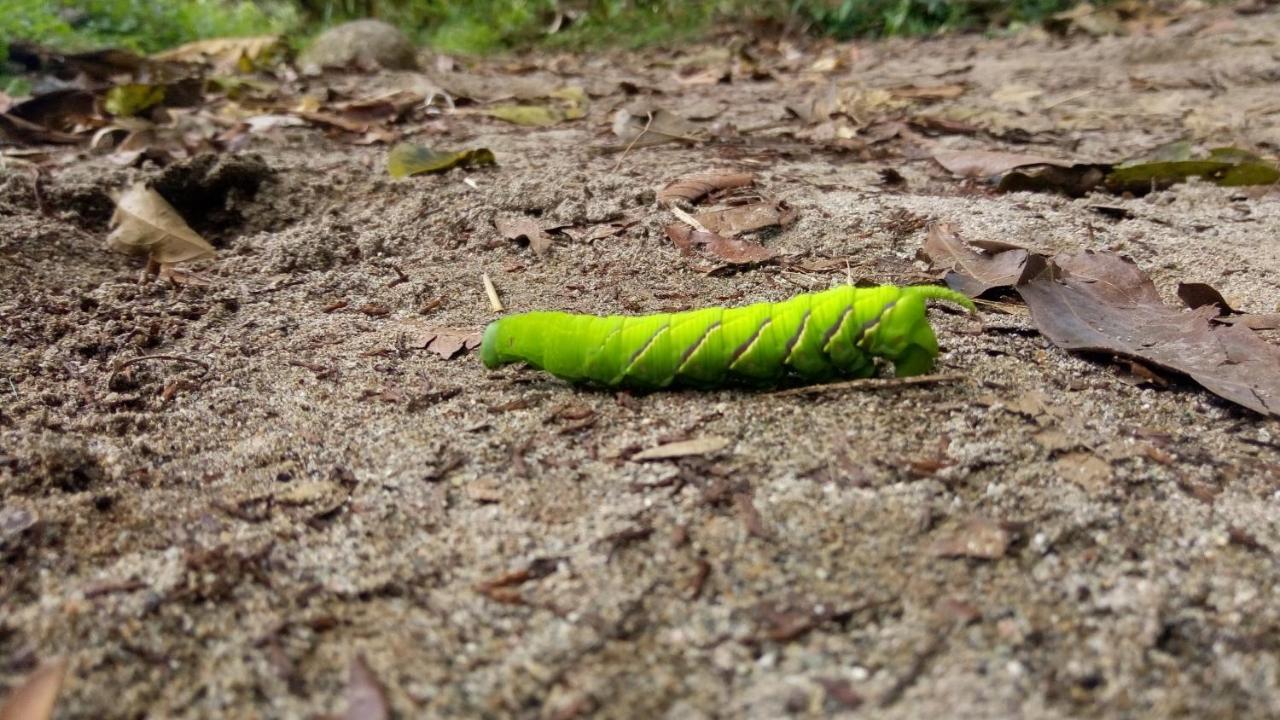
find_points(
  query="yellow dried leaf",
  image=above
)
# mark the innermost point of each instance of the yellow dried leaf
(408, 159)
(243, 54)
(132, 98)
(145, 223)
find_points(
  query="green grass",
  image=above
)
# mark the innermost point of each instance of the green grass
(485, 26)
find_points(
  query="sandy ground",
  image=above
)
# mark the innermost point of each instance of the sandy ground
(1047, 537)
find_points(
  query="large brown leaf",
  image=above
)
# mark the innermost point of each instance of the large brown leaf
(1103, 302)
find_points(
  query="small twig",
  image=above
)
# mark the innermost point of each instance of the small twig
(37, 191)
(632, 144)
(173, 358)
(873, 384)
(400, 277)
(492, 292)
(766, 126)
(687, 218)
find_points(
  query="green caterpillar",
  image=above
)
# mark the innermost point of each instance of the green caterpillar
(812, 337)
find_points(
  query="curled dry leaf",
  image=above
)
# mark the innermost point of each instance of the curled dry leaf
(145, 223)
(692, 188)
(527, 228)
(970, 271)
(730, 250)
(35, 697)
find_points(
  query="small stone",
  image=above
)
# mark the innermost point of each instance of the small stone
(359, 44)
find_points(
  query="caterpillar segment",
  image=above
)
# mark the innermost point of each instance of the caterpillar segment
(813, 337)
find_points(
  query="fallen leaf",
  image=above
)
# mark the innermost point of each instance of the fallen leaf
(146, 223)
(970, 271)
(133, 98)
(408, 159)
(706, 445)
(20, 131)
(366, 698)
(654, 127)
(448, 342)
(1102, 302)
(571, 105)
(35, 697)
(692, 188)
(227, 55)
(731, 250)
(14, 521)
(1228, 167)
(929, 92)
(986, 163)
(746, 218)
(1196, 295)
(62, 110)
(527, 228)
(1084, 469)
(980, 539)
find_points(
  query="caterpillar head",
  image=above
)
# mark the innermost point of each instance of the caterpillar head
(903, 334)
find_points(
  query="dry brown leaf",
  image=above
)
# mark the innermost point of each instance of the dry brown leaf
(746, 218)
(1102, 302)
(692, 188)
(654, 127)
(979, 538)
(1084, 469)
(366, 698)
(448, 342)
(705, 445)
(35, 697)
(730, 250)
(14, 521)
(527, 228)
(986, 163)
(970, 271)
(145, 223)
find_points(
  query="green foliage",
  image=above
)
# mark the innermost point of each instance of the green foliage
(142, 25)
(846, 19)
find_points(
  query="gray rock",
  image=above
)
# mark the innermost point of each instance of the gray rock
(361, 43)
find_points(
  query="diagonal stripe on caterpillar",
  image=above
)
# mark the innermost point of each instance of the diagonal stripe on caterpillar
(812, 337)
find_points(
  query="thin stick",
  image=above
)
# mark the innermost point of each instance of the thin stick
(492, 292)
(872, 384)
(633, 142)
(687, 218)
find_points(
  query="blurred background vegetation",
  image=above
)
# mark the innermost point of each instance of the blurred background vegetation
(481, 26)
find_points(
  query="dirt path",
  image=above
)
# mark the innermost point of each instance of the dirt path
(1050, 536)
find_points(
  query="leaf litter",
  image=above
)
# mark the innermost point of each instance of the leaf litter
(1102, 302)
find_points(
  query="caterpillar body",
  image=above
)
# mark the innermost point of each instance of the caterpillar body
(812, 337)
